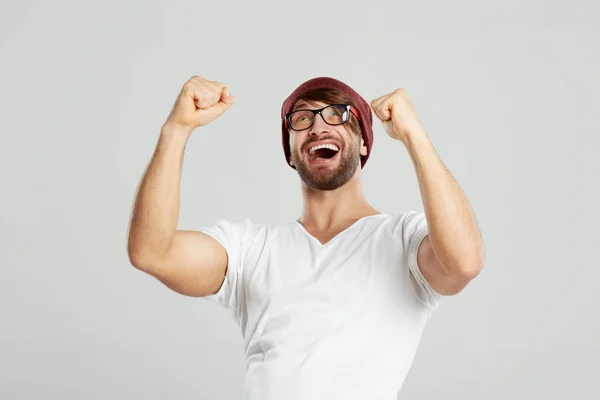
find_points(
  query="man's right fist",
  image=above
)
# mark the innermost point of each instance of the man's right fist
(199, 102)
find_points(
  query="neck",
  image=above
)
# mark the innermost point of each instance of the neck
(326, 209)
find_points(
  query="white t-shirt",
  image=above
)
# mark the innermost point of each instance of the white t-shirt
(340, 320)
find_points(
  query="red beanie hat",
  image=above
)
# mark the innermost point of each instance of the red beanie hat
(360, 105)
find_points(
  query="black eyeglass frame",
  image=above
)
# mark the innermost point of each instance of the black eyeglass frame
(315, 112)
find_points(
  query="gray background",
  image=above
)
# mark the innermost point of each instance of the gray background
(507, 90)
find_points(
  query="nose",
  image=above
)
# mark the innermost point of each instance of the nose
(319, 125)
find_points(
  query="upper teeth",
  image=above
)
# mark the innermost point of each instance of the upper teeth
(323, 146)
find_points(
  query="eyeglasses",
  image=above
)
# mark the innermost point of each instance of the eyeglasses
(334, 114)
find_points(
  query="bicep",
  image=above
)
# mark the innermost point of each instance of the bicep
(434, 272)
(195, 264)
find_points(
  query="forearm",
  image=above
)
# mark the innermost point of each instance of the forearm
(453, 230)
(155, 212)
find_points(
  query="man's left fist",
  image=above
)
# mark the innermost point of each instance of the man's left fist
(397, 115)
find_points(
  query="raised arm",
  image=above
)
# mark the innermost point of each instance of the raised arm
(189, 262)
(452, 254)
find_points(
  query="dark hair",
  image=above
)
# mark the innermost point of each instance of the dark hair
(332, 96)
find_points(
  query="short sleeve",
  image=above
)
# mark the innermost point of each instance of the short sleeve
(414, 230)
(233, 237)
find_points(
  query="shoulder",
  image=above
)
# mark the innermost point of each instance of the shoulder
(403, 230)
(231, 227)
(403, 221)
(245, 229)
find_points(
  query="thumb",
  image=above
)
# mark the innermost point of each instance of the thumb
(227, 97)
(224, 102)
(381, 110)
(206, 115)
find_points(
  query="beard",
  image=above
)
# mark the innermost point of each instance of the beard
(326, 177)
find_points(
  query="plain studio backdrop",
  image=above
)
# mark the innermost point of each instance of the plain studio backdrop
(507, 91)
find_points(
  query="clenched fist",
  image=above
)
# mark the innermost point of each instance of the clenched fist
(199, 102)
(397, 114)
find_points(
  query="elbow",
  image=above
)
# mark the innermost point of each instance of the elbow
(468, 268)
(470, 264)
(137, 258)
(135, 250)
(147, 254)
(141, 257)
(471, 271)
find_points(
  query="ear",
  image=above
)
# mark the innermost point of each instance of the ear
(290, 139)
(363, 148)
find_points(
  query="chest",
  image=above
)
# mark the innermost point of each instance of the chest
(297, 271)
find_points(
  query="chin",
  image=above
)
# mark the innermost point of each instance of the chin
(326, 176)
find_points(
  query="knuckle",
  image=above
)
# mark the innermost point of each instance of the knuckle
(189, 85)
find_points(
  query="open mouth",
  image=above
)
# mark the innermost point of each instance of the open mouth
(323, 152)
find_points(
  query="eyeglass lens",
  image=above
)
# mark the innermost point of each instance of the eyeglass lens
(334, 115)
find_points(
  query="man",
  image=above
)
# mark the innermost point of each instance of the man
(331, 306)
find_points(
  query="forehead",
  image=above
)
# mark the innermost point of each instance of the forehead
(303, 104)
